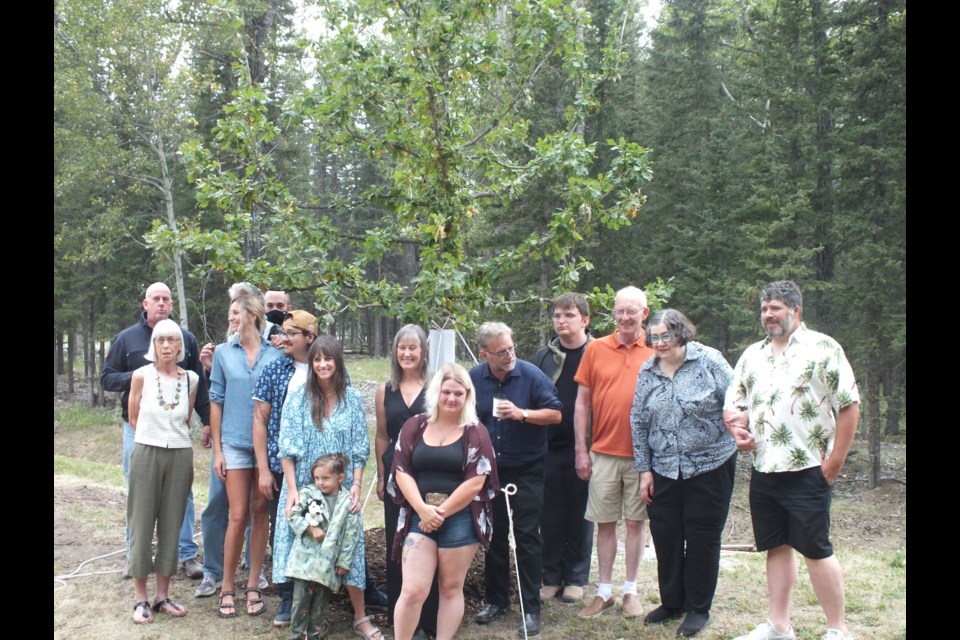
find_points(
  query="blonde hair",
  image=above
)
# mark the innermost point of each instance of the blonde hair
(252, 305)
(455, 372)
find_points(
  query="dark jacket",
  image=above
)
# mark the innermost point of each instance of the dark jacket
(550, 360)
(127, 354)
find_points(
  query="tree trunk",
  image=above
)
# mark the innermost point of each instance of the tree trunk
(71, 355)
(259, 31)
(355, 328)
(56, 363)
(90, 356)
(546, 309)
(872, 411)
(893, 392)
(102, 401)
(369, 321)
(59, 361)
(381, 327)
(167, 180)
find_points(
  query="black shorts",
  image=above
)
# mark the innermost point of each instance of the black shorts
(793, 508)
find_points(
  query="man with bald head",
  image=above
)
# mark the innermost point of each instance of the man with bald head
(607, 379)
(126, 355)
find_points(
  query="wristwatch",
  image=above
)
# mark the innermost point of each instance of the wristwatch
(526, 414)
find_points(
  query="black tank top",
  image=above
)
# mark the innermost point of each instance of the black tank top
(438, 469)
(397, 413)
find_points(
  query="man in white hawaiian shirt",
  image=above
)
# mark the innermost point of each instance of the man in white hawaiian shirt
(793, 401)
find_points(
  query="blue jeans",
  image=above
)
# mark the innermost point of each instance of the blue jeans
(213, 526)
(188, 547)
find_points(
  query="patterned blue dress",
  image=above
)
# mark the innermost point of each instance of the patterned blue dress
(345, 431)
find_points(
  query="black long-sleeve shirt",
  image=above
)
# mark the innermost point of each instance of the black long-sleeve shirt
(127, 353)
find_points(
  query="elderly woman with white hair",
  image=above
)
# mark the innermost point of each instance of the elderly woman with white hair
(162, 395)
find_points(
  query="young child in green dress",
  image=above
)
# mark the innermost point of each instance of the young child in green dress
(327, 535)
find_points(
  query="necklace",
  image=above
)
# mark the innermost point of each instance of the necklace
(443, 436)
(168, 406)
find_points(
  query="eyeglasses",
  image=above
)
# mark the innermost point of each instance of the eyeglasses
(167, 340)
(628, 311)
(290, 335)
(502, 352)
(663, 337)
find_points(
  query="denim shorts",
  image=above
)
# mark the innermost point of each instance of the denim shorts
(456, 531)
(238, 457)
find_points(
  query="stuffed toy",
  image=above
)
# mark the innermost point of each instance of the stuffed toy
(315, 513)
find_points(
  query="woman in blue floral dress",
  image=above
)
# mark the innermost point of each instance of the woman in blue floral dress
(324, 416)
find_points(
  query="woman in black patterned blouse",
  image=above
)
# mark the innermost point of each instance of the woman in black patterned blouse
(686, 459)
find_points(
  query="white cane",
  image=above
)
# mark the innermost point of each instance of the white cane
(508, 491)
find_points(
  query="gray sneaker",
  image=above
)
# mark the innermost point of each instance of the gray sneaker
(767, 631)
(207, 587)
(192, 569)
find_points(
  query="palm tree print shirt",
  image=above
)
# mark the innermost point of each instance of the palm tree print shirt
(793, 399)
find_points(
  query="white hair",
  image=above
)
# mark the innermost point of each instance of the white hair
(164, 329)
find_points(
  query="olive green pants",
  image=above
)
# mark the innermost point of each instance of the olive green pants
(157, 489)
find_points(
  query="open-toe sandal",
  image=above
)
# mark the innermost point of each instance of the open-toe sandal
(375, 634)
(170, 608)
(227, 609)
(143, 608)
(257, 602)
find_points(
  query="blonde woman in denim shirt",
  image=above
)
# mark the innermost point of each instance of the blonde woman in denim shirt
(237, 365)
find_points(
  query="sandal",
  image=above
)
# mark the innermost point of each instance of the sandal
(170, 607)
(376, 633)
(143, 608)
(256, 602)
(226, 609)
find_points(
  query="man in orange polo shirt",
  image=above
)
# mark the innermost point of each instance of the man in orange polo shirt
(608, 377)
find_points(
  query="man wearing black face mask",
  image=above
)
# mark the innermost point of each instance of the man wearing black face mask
(277, 304)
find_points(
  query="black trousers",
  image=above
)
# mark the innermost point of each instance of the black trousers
(527, 504)
(428, 614)
(686, 519)
(567, 537)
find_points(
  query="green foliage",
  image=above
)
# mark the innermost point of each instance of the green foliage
(431, 95)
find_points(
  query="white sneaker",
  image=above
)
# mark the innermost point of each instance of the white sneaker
(767, 631)
(836, 634)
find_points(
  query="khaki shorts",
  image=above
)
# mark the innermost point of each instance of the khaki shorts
(614, 490)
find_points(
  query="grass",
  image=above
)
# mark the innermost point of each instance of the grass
(88, 493)
(75, 416)
(368, 369)
(96, 472)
